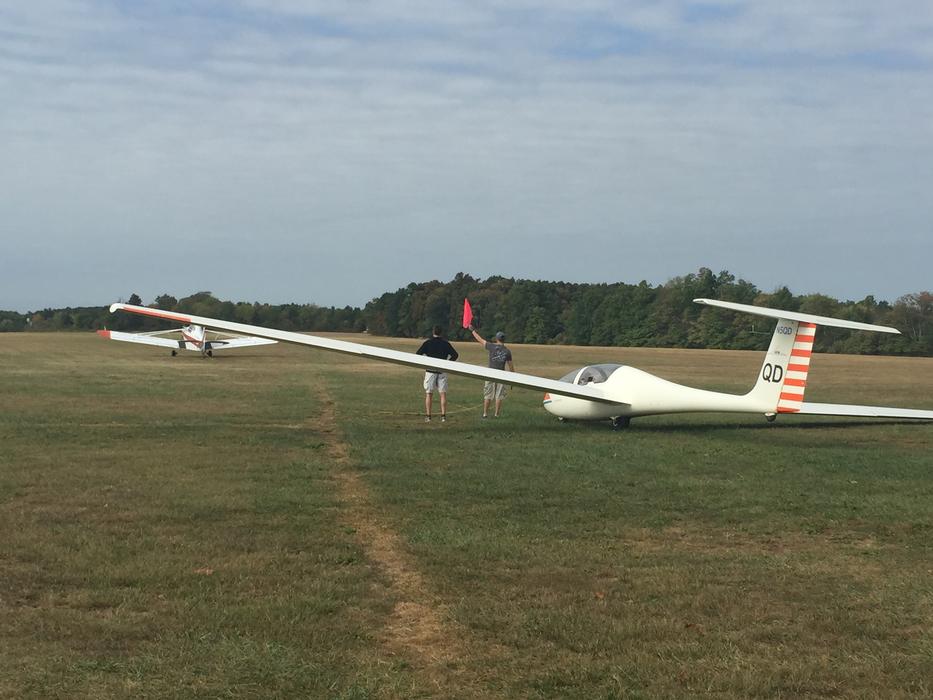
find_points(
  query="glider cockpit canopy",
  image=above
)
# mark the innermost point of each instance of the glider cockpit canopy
(591, 374)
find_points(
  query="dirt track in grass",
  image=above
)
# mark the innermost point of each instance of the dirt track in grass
(419, 630)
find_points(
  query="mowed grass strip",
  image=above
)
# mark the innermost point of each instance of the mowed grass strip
(175, 529)
(170, 529)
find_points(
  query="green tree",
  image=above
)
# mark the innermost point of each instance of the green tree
(166, 302)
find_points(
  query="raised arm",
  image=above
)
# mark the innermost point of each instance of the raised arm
(477, 337)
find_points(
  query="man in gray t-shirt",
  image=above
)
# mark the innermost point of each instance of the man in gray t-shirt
(499, 357)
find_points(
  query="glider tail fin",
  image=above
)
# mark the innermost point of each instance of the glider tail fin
(783, 376)
(798, 366)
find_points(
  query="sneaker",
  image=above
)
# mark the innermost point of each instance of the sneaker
(443, 419)
(427, 419)
(485, 416)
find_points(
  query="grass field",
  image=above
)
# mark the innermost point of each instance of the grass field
(279, 522)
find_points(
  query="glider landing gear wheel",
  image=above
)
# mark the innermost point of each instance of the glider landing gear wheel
(771, 417)
(210, 353)
(174, 352)
(561, 419)
(620, 422)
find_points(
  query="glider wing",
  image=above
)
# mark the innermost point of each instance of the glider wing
(833, 409)
(527, 381)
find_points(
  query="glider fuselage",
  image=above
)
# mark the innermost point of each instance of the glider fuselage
(641, 393)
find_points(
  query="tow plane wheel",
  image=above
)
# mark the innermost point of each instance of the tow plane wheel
(620, 422)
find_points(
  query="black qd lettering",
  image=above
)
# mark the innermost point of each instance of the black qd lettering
(772, 373)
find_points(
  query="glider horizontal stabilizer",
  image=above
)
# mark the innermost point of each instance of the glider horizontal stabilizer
(526, 381)
(796, 316)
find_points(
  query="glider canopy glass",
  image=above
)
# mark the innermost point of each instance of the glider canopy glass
(591, 374)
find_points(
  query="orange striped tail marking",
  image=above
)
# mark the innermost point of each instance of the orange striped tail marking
(795, 378)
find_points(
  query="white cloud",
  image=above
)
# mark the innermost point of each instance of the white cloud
(288, 143)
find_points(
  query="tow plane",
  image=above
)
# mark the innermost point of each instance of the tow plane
(619, 392)
(194, 337)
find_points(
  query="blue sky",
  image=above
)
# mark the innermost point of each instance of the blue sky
(329, 151)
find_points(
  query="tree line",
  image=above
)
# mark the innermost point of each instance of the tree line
(531, 311)
(291, 317)
(644, 315)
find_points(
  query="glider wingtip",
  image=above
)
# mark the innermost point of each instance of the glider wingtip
(104, 334)
(115, 307)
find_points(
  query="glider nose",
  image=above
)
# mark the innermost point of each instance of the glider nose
(549, 402)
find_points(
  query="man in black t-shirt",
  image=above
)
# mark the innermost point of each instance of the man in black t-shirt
(439, 348)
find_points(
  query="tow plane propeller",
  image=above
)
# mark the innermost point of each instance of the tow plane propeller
(619, 392)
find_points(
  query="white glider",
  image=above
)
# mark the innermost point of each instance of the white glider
(619, 392)
(193, 337)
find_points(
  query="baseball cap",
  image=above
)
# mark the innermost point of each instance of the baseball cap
(500, 335)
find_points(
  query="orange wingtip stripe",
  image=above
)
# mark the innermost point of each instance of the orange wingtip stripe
(103, 334)
(158, 314)
(785, 396)
(795, 382)
(804, 324)
(798, 368)
(784, 409)
(796, 352)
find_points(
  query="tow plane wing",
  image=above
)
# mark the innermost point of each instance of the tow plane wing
(193, 337)
(141, 338)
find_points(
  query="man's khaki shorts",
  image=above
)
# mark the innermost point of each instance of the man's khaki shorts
(494, 390)
(435, 381)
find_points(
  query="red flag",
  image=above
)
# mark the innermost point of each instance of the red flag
(467, 313)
